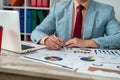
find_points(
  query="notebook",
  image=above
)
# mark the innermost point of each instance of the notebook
(11, 39)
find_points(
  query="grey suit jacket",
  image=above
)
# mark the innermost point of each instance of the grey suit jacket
(100, 26)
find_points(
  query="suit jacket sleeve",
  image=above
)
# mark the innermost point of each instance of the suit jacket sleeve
(46, 28)
(112, 32)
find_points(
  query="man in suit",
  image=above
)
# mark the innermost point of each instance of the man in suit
(100, 29)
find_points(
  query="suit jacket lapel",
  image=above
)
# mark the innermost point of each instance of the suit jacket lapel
(90, 18)
(69, 20)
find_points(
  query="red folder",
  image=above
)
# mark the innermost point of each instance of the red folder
(16, 2)
(46, 3)
(39, 3)
(33, 3)
(1, 32)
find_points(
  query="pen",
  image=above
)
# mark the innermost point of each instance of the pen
(63, 66)
(58, 40)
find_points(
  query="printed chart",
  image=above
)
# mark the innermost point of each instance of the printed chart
(84, 60)
(88, 59)
(53, 58)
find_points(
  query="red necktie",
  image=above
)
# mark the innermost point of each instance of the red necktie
(78, 24)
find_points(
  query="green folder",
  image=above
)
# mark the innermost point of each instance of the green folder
(34, 19)
(41, 15)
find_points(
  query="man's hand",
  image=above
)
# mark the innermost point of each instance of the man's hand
(54, 43)
(76, 42)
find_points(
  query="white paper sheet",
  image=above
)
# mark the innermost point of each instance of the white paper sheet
(78, 59)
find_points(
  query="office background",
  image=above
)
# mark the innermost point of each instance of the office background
(42, 13)
(0, 4)
(115, 3)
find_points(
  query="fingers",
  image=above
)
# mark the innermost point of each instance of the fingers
(73, 43)
(71, 46)
(54, 43)
(70, 43)
(58, 40)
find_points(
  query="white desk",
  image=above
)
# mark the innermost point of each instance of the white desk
(12, 67)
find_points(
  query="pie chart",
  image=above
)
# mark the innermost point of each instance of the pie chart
(88, 59)
(53, 58)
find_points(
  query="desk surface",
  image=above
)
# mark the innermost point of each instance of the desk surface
(12, 63)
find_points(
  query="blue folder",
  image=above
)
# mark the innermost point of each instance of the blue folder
(22, 20)
(29, 21)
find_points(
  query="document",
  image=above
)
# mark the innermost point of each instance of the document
(82, 60)
(54, 58)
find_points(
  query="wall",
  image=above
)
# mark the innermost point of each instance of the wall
(115, 4)
(0, 4)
